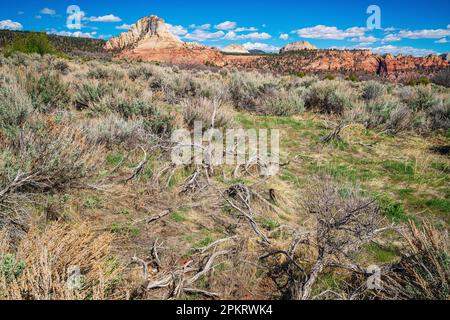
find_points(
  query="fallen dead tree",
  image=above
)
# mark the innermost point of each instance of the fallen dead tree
(177, 280)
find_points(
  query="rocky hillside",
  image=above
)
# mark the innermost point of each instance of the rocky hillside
(149, 39)
(348, 62)
(297, 46)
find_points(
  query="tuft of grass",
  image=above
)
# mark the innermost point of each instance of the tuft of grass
(381, 254)
(178, 216)
(393, 210)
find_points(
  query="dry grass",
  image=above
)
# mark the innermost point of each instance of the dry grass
(46, 261)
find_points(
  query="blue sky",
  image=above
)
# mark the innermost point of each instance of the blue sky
(407, 27)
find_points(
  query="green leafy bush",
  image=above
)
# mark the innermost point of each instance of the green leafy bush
(30, 43)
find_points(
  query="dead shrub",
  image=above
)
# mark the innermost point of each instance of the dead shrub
(208, 112)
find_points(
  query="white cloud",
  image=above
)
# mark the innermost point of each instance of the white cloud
(331, 33)
(203, 26)
(448, 27)
(227, 25)
(390, 29)
(245, 29)
(443, 40)
(48, 11)
(176, 30)
(424, 34)
(365, 39)
(107, 18)
(123, 27)
(10, 25)
(391, 38)
(38, 17)
(202, 35)
(76, 34)
(231, 35)
(20, 13)
(260, 46)
(401, 50)
(284, 36)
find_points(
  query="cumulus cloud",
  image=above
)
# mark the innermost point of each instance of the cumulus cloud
(330, 33)
(231, 35)
(226, 25)
(245, 29)
(202, 26)
(365, 39)
(123, 27)
(10, 25)
(48, 11)
(106, 18)
(76, 34)
(176, 30)
(260, 46)
(402, 50)
(284, 36)
(424, 34)
(202, 35)
(391, 38)
(443, 40)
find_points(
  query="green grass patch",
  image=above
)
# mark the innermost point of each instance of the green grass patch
(125, 229)
(178, 216)
(393, 210)
(113, 159)
(400, 170)
(381, 254)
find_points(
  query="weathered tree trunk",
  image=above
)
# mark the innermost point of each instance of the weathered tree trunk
(306, 288)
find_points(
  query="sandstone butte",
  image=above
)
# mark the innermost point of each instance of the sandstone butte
(297, 46)
(235, 48)
(150, 40)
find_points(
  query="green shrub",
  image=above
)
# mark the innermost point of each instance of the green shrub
(328, 97)
(283, 103)
(48, 92)
(373, 90)
(424, 98)
(15, 107)
(30, 43)
(10, 268)
(90, 94)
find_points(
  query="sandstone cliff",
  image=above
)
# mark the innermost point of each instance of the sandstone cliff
(149, 39)
(347, 62)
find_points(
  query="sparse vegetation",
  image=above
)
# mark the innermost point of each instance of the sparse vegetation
(87, 184)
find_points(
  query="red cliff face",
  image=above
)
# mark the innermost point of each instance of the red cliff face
(346, 62)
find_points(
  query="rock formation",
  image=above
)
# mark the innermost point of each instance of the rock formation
(348, 62)
(149, 39)
(298, 46)
(235, 48)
